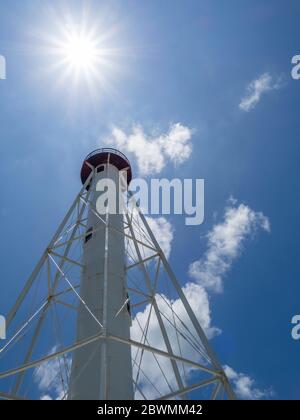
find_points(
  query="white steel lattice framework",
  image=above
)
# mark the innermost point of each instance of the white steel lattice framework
(169, 353)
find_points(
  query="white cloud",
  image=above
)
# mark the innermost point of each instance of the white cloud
(152, 153)
(244, 386)
(51, 377)
(198, 299)
(46, 398)
(163, 232)
(255, 89)
(176, 144)
(225, 243)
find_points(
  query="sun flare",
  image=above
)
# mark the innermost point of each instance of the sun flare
(81, 51)
(84, 55)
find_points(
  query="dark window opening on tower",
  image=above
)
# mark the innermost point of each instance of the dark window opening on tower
(128, 305)
(89, 234)
(89, 185)
(100, 169)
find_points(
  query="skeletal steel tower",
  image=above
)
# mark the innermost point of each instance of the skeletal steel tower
(103, 311)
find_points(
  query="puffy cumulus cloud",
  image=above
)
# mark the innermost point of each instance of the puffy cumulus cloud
(199, 302)
(176, 144)
(163, 232)
(51, 377)
(151, 378)
(255, 90)
(153, 152)
(225, 243)
(245, 387)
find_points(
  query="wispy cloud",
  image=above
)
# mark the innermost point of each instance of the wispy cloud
(225, 243)
(153, 152)
(245, 387)
(263, 84)
(51, 377)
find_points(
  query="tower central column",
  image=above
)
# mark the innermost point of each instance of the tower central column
(103, 369)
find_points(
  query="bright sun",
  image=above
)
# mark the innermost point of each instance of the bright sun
(81, 51)
(83, 55)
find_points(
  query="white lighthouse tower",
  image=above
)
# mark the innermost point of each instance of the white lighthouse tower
(102, 315)
(103, 289)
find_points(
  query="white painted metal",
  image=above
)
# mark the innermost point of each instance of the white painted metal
(189, 310)
(103, 288)
(51, 290)
(39, 265)
(100, 337)
(158, 315)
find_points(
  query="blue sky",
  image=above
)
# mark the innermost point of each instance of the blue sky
(178, 62)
